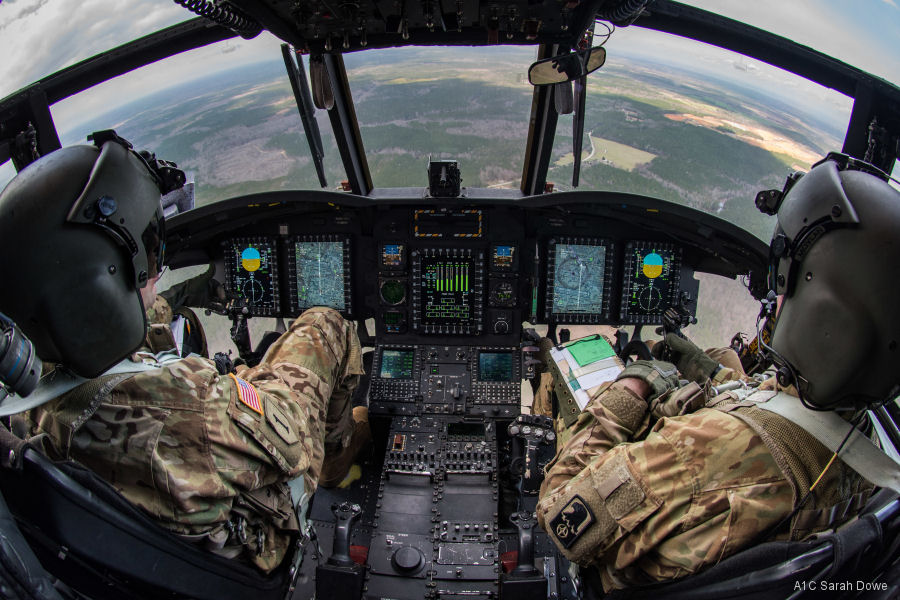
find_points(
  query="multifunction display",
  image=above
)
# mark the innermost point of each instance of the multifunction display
(397, 364)
(578, 280)
(251, 273)
(320, 272)
(447, 290)
(495, 366)
(651, 281)
(447, 293)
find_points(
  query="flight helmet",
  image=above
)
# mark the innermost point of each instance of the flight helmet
(835, 258)
(82, 230)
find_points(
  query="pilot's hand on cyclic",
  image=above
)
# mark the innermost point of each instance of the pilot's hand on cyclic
(660, 376)
(691, 361)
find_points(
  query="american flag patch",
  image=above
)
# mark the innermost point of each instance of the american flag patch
(247, 394)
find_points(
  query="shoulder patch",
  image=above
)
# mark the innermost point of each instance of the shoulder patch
(572, 521)
(280, 422)
(247, 394)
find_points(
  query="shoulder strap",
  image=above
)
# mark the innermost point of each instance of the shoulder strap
(859, 453)
(60, 381)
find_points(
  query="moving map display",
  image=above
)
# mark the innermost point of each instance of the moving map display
(578, 279)
(251, 273)
(652, 277)
(320, 270)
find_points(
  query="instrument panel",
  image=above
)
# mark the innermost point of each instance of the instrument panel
(468, 275)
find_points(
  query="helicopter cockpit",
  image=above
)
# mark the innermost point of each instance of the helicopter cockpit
(452, 286)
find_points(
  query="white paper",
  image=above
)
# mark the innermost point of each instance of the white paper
(177, 327)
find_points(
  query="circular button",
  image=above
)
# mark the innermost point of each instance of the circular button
(407, 559)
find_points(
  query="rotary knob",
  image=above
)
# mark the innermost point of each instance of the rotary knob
(501, 327)
(407, 559)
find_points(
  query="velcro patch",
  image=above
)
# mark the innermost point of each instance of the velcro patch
(280, 422)
(572, 521)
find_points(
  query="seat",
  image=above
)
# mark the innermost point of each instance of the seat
(87, 535)
(866, 550)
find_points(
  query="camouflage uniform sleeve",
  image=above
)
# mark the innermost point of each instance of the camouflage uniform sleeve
(614, 415)
(697, 489)
(312, 370)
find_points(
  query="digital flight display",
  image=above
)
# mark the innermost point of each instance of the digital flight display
(578, 275)
(320, 274)
(251, 273)
(447, 290)
(393, 256)
(503, 257)
(396, 364)
(495, 366)
(651, 280)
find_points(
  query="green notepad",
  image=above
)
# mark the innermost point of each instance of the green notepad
(588, 350)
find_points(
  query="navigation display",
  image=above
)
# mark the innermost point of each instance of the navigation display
(447, 295)
(396, 364)
(495, 366)
(251, 273)
(652, 277)
(320, 273)
(578, 279)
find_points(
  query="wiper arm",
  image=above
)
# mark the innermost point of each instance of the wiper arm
(300, 85)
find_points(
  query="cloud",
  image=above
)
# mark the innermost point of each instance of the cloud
(890, 3)
(861, 34)
(39, 38)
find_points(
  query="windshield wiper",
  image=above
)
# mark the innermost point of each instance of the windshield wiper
(297, 74)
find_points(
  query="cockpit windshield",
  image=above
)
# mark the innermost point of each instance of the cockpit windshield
(697, 125)
(464, 104)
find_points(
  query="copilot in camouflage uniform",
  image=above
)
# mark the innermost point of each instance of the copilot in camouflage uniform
(644, 501)
(180, 442)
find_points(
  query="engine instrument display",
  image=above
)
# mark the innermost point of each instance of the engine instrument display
(251, 273)
(447, 290)
(396, 364)
(578, 280)
(651, 281)
(495, 366)
(320, 272)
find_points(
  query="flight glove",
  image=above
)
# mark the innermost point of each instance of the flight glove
(691, 361)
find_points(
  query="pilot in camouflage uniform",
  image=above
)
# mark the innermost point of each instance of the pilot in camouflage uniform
(207, 459)
(206, 455)
(654, 483)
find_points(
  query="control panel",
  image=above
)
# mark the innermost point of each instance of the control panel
(436, 517)
(446, 380)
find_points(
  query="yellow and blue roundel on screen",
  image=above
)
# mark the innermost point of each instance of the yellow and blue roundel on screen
(653, 265)
(250, 259)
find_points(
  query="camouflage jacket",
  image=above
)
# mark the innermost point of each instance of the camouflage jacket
(644, 502)
(208, 456)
